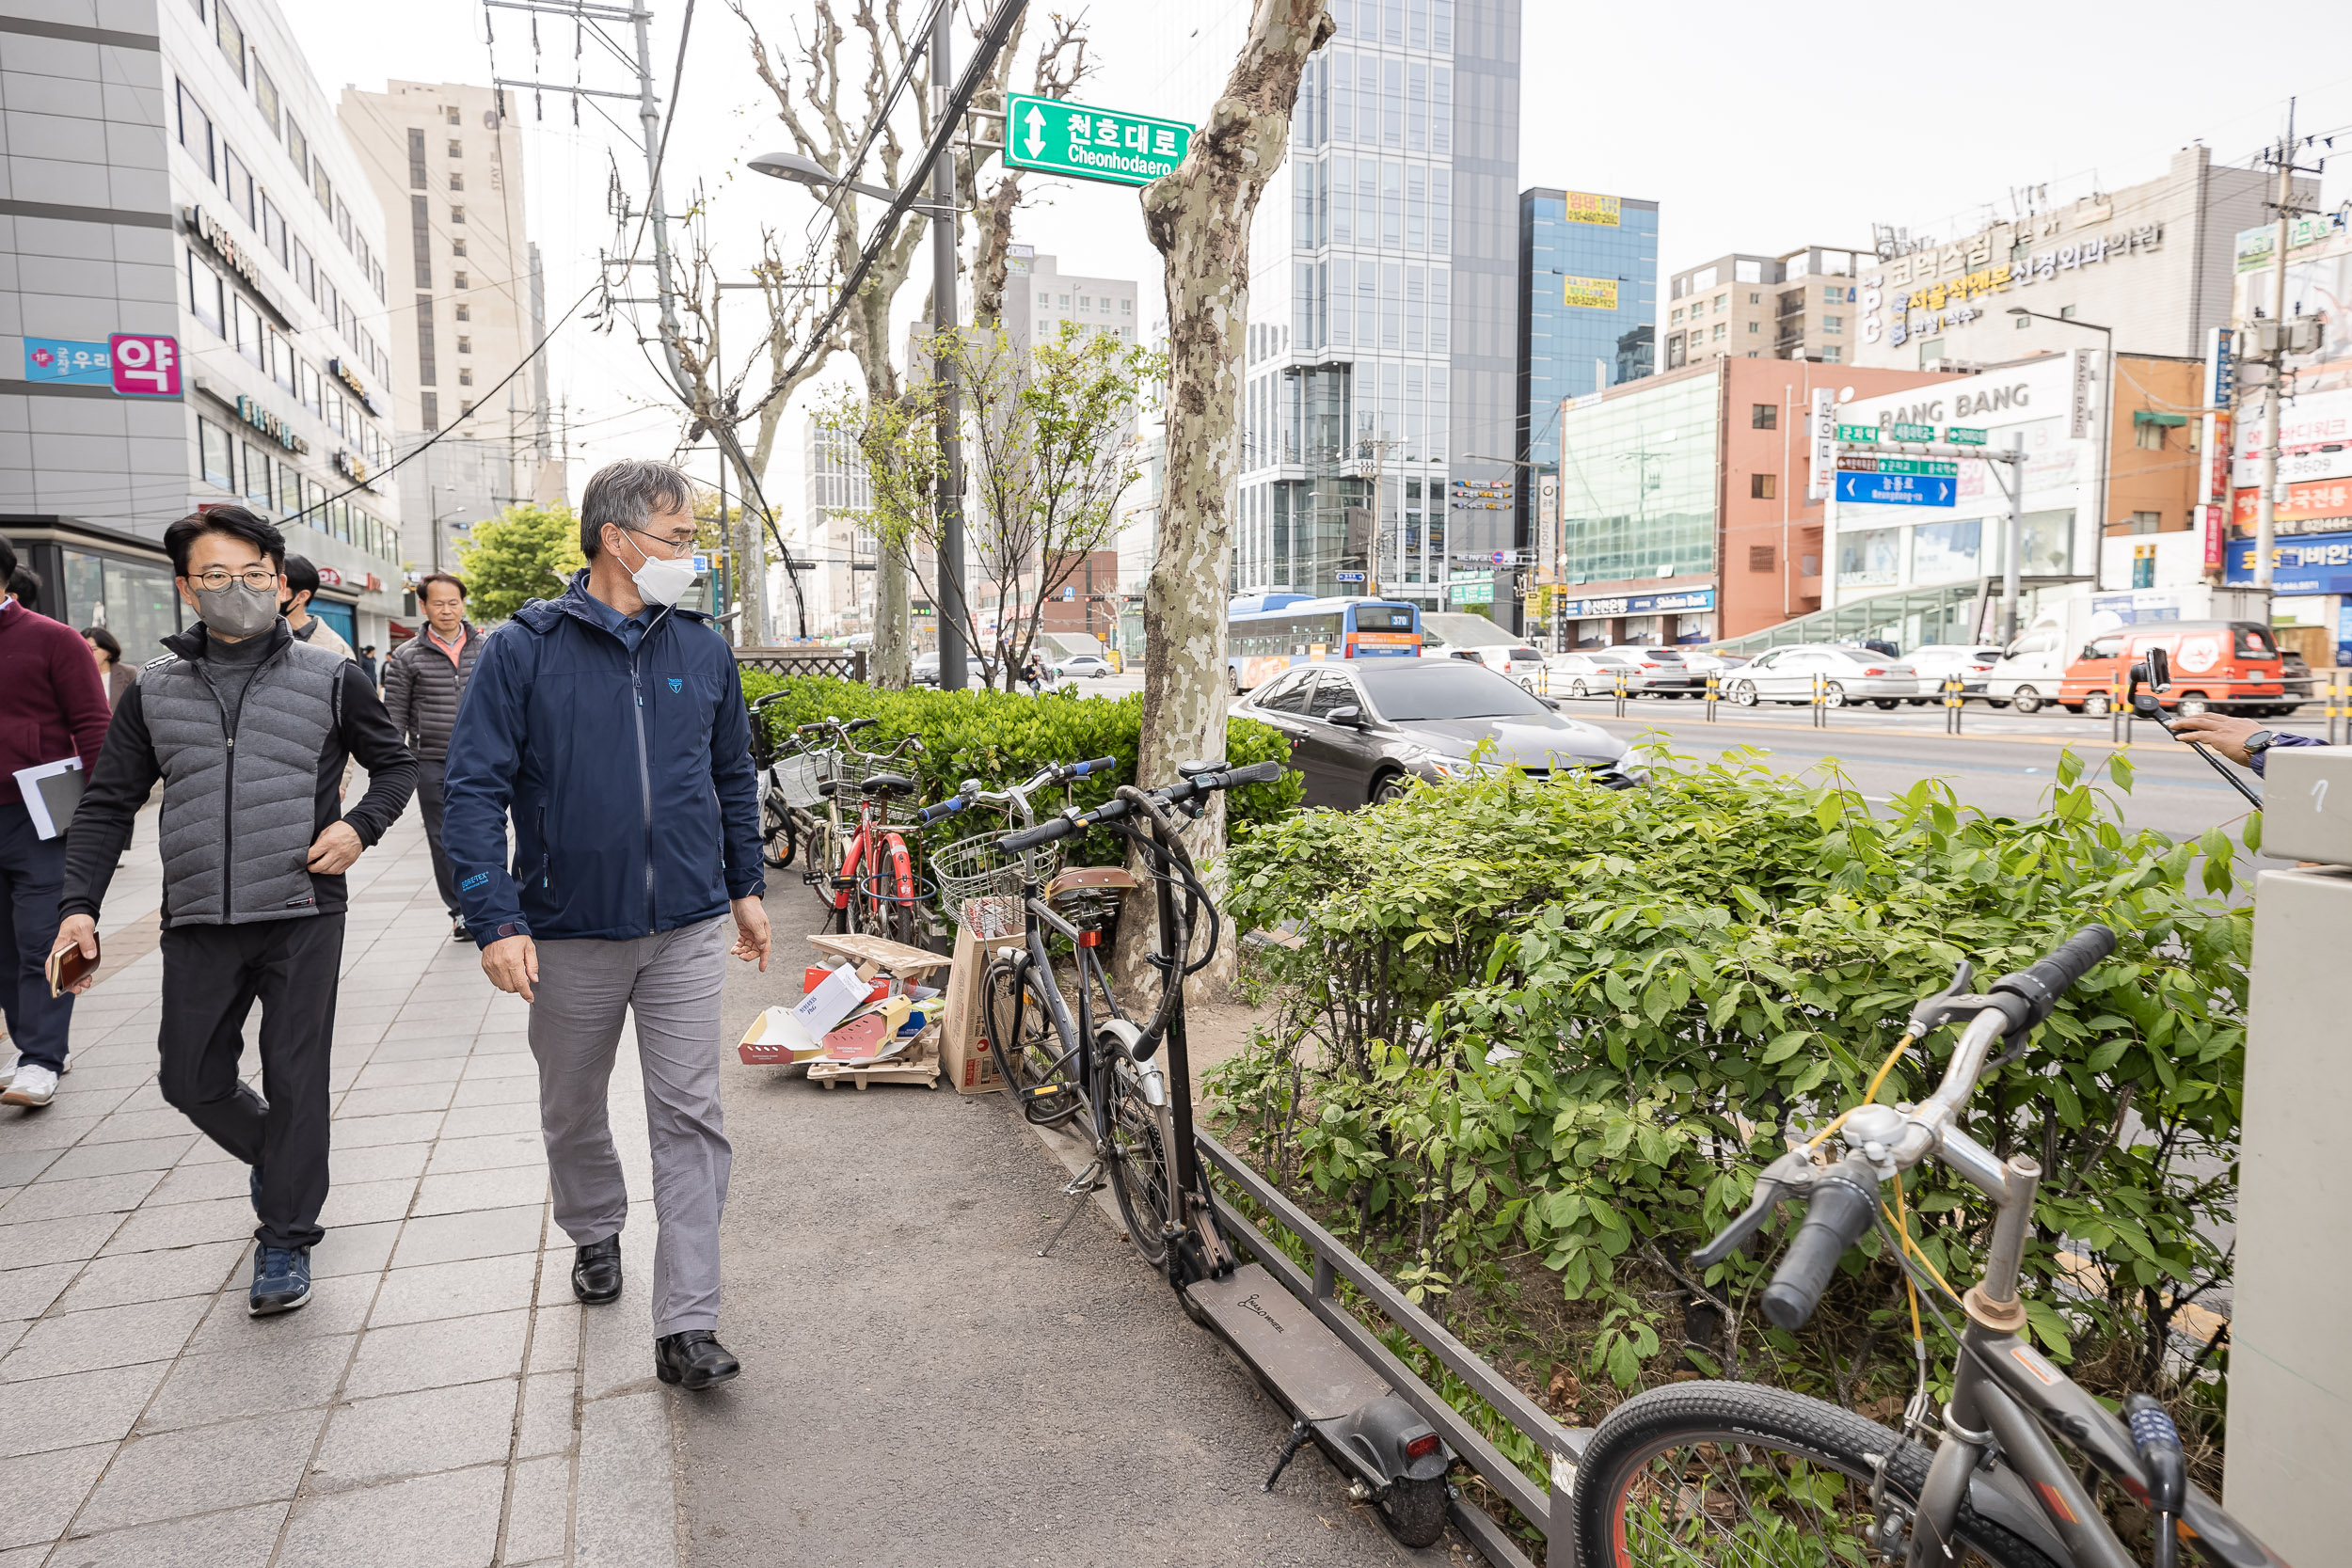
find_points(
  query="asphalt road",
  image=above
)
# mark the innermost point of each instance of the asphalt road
(919, 1388)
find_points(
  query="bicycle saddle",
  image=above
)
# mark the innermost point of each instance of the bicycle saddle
(1194, 769)
(888, 783)
(825, 787)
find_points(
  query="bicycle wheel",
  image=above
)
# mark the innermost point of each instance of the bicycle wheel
(776, 841)
(1726, 1473)
(1013, 1018)
(1138, 1161)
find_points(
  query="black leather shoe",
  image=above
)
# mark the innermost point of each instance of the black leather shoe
(596, 1271)
(693, 1359)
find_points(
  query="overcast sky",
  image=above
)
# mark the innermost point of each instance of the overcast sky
(1754, 131)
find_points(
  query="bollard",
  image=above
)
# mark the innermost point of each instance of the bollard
(1714, 691)
(1821, 703)
(1621, 693)
(1953, 705)
(2334, 704)
(2119, 718)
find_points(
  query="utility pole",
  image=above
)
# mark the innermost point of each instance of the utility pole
(949, 612)
(2266, 503)
(2013, 541)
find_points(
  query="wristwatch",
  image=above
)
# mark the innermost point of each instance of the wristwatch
(2259, 742)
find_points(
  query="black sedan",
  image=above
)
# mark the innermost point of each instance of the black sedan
(1361, 729)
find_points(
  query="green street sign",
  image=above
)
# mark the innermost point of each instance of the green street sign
(1960, 435)
(1470, 592)
(1089, 143)
(1922, 432)
(1857, 432)
(1919, 466)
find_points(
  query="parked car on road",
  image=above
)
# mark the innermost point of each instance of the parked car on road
(1459, 634)
(1092, 666)
(1935, 662)
(2221, 666)
(1591, 672)
(1787, 674)
(1363, 732)
(926, 670)
(1707, 663)
(1668, 674)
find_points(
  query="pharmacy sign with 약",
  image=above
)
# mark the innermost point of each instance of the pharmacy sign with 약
(1090, 143)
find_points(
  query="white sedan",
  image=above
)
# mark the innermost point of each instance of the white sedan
(1091, 665)
(1592, 674)
(1791, 674)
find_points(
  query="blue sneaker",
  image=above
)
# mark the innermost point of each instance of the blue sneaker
(281, 1280)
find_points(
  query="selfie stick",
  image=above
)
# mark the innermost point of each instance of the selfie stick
(2147, 706)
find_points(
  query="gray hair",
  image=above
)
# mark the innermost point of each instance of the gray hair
(627, 494)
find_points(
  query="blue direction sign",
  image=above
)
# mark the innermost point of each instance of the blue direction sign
(1896, 489)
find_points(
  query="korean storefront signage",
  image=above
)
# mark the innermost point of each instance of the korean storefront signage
(2314, 563)
(129, 364)
(1826, 432)
(1589, 293)
(1638, 604)
(2078, 422)
(270, 424)
(220, 243)
(341, 371)
(1937, 288)
(1054, 137)
(1585, 207)
(1493, 494)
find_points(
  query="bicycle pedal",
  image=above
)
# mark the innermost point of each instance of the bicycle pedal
(1042, 1091)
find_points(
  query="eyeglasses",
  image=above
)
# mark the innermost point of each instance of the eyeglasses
(677, 549)
(260, 579)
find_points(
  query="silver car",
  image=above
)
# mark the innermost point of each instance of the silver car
(1591, 674)
(1842, 675)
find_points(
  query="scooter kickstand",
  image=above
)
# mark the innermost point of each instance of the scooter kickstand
(1299, 1433)
(1081, 1187)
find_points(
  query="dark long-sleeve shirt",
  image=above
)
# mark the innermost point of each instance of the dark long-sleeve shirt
(52, 706)
(2284, 741)
(128, 770)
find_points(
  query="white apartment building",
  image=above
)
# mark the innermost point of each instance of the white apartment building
(838, 584)
(465, 306)
(192, 294)
(1039, 298)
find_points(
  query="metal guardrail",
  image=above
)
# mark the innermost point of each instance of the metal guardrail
(1548, 1509)
(845, 663)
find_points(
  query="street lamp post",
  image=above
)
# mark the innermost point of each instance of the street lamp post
(2107, 437)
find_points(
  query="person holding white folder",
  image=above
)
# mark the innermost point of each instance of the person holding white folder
(53, 706)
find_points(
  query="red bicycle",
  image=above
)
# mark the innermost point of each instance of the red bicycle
(873, 887)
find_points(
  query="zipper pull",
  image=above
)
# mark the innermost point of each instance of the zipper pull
(232, 742)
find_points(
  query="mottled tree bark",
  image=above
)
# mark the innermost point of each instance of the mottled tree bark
(1199, 219)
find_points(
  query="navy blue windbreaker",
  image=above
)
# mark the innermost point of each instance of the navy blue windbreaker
(628, 777)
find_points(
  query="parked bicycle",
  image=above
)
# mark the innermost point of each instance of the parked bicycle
(788, 777)
(1729, 1472)
(859, 857)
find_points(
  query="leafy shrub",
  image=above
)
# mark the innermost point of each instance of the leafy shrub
(1565, 1026)
(1002, 738)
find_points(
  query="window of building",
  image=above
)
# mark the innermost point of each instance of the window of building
(1126, 307)
(322, 187)
(298, 149)
(257, 486)
(1832, 324)
(465, 312)
(1755, 326)
(1065, 302)
(238, 181)
(457, 246)
(465, 344)
(451, 111)
(1676, 318)
(1756, 299)
(1723, 302)
(416, 159)
(2021, 322)
(430, 407)
(1763, 487)
(1044, 300)
(1832, 297)
(1719, 328)
(231, 38)
(465, 376)
(1082, 304)
(2066, 313)
(1764, 416)
(425, 343)
(459, 280)
(1760, 558)
(265, 97)
(456, 147)
(1832, 355)
(464, 408)
(2147, 522)
(457, 213)
(219, 454)
(196, 130)
(204, 293)
(456, 183)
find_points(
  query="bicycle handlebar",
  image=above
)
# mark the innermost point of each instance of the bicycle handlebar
(1845, 1201)
(2029, 995)
(1174, 795)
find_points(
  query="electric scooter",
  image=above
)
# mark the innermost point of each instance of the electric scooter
(1392, 1458)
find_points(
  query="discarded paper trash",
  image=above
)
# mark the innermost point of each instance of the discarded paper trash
(863, 1016)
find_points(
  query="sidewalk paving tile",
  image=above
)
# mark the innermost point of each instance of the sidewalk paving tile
(355, 1249)
(87, 1194)
(495, 1151)
(414, 1435)
(27, 1293)
(44, 1489)
(483, 1233)
(366, 1202)
(621, 1521)
(380, 1162)
(464, 1192)
(204, 1468)
(437, 1355)
(407, 1127)
(458, 1289)
(178, 1225)
(555, 1331)
(18, 1166)
(404, 1097)
(254, 1378)
(196, 1270)
(233, 1539)
(337, 1306)
(538, 1515)
(547, 1417)
(202, 1183)
(79, 1408)
(105, 1337)
(56, 1241)
(443, 1521)
(473, 1121)
(476, 1092)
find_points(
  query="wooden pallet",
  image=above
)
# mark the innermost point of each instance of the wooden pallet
(918, 1065)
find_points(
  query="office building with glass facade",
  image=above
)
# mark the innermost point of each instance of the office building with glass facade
(1382, 344)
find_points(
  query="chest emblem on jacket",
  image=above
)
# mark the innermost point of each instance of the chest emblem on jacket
(677, 683)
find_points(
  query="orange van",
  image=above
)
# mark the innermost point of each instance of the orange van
(2221, 666)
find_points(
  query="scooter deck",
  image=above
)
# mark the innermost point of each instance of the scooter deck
(1308, 1367)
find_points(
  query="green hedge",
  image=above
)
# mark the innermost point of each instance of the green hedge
(1565, 1026)
(1002, 738)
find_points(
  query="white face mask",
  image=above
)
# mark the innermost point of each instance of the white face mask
(661, 580)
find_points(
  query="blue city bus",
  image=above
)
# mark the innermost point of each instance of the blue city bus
(1267, 633)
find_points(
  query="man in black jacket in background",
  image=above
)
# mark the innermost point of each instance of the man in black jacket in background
(424, 682)
(248, 729)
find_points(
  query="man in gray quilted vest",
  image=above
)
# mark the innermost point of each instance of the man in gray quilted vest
(248, 729)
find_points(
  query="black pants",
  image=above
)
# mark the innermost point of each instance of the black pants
(213, 975)
(431, 778)
(32, 876)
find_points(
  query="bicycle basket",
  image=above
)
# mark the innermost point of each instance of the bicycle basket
(796, 778)
(980, 885)
(851, 769)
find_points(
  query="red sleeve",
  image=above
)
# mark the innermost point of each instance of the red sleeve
(81, 696)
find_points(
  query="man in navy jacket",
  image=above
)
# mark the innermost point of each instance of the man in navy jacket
(609, 726)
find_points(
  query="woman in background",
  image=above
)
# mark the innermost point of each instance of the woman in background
(107, 650)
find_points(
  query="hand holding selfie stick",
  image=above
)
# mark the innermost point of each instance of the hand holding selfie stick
(2156, 674)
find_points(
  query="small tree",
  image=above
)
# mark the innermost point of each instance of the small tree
(526, 552)
(1048, 437)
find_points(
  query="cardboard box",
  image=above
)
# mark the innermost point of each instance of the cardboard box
(963, 1054)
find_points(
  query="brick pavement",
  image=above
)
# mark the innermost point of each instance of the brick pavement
(441, 1402)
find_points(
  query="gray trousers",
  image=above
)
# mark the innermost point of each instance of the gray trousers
(672, 982)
